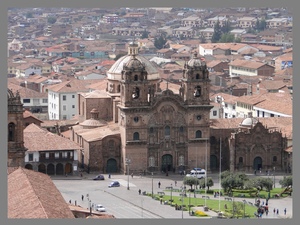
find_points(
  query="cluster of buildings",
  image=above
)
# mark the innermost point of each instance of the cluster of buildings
(98, 104)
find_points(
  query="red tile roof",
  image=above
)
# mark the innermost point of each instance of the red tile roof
(39, 139)
(33, 195)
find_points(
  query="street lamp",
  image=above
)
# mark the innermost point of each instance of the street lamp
(152, 183)
(182, 195)
(171, 191)
(274, 175)
(127, 163)
(189, 202)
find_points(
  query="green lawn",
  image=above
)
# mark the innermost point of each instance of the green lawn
(212, 204)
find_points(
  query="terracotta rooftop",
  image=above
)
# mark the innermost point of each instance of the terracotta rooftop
(246, 64)
(33, 195)
(26, 92)
(283, 124)
(27, 114)
(39, 139)
(73, 85)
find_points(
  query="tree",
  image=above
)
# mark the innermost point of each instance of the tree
(51, 20)
(145, 34)
(217, 33)
(226, 37)
(190, 181)
(232, 181)
(226, 28)
(160, 42)
(286, 181)
(238, 40)
(210, 183)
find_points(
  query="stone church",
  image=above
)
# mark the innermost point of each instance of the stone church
(15, 147)
(136, 122)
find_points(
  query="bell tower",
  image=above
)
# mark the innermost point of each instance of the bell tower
(15, 146)
(195, 82)
(136, 89)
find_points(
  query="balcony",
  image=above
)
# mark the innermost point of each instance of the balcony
(53, 159)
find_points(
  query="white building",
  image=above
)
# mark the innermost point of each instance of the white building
(62, 99)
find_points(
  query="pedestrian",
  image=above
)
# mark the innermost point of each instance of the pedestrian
(160, 200)
(109, 176)
(82, 197)
(159, 184)
(175, 182)
(274, 210)
(277, 212)
(80, 174)
(132, 175)
(254, 172)
(284, 211)
(75, 202)
(140, 191)
(70, 201)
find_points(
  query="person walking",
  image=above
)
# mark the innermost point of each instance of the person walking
(274, 210)
(284, 211)
(82, 197)
(175, 183)
(140, 191)
(159, 184)
(277, 212)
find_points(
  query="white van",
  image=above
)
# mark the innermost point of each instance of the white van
(197, 173)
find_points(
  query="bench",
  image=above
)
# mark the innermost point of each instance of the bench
(182, 194)
(161, 193)
(228, 199)
(169, 188)
(204, 196)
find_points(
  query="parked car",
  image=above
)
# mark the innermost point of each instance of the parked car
(99, 177)
(114, 184)
(100, 208)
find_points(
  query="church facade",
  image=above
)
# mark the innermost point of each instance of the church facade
(157, 130)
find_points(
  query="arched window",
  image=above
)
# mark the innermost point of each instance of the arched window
(136, 93)
(198, 134)
(181, 129)
(151, 130)
(136, 77)
(151, 161)
(11, 132)
(197, 91)
(136, 136)
(197, 76)
(274, 158)
(167, 131)
(241, 160)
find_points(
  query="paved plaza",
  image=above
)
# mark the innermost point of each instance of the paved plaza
(124, 203)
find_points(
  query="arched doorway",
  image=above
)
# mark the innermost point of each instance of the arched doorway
(50, 169)
(59, 169)
(28, 166)
(213, 162)
(42, 168)
(68, 168)
(111, 166)
(167, 163)
(257, 163)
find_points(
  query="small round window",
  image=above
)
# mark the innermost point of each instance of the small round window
(136, 119)
(198, 117)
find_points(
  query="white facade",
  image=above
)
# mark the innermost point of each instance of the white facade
(62, 106)
(260, 112)
(30, 70)
(229, 110)
(235, 71)
(205, 51)
(34, 102)
(215, 111)
(35, 157)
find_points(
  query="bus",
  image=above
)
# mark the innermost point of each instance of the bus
(197, 172)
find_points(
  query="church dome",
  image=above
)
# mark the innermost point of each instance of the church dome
(135, 60)
(195, 61)
(249, 122)
(92, 123)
